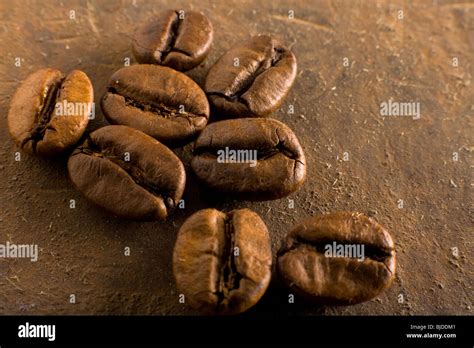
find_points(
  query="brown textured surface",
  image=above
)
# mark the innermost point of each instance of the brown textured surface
(336, 111)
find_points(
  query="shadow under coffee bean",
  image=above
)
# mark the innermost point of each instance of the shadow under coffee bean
(249, 158)
(128, 173)
(336, 278)
(35, 122)
(178, 39)
(251, 79)
(158, 101)
(222, 262)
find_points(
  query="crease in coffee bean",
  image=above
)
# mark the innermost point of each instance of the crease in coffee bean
(263, 66)
(92, 149)
(157, 109)
(281, 145)
(171, 41)
(277, 55)
(229, 277)
(44, 115)
(274, 58)
(283, 148)
(262, 154)
(175, 49)
(375, 253)
(230, 98)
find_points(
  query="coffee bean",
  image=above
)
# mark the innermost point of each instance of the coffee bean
(249, 158)
(222, 262)
(159, 101)
(251, 79)
(49, 111)
(178, 39)
(341, 259)
(128, 173)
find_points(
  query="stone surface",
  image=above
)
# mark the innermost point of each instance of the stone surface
(336, 110)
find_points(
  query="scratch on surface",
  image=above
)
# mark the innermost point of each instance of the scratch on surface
(376, 118)
(13, 284)
(459, 5)
(63, 39)
(57, 20)
(303, 22)
(401, 83)
(91, 17)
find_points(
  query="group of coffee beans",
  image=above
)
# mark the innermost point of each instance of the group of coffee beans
(222, 261)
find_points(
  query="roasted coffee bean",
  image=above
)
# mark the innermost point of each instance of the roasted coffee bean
(249, 158)
(49, 111)
(178, 39)
(159, 101)
(128, 173)
(222, 262)
(340, 259)
(251, 79)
